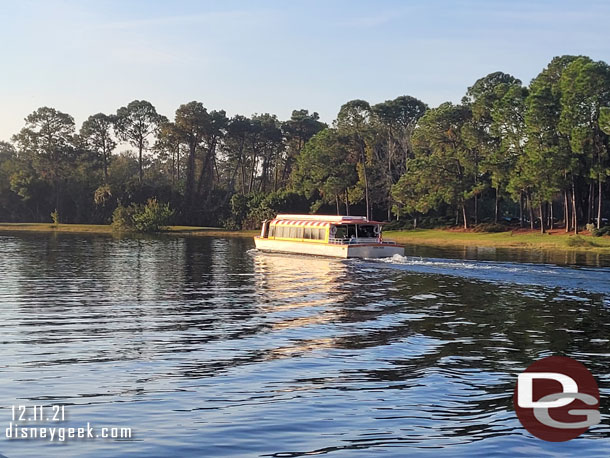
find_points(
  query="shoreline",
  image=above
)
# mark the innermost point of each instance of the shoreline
(524, 240)
(106, 229)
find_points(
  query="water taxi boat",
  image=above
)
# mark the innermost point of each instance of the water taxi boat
(326, 235)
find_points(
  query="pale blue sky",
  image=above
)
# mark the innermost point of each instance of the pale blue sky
(83, 57)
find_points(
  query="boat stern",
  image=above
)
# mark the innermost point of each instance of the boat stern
(374, 251)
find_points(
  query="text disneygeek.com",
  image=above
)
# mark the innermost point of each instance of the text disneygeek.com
(26, 424)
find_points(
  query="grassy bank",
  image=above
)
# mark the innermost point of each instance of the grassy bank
(209, 231)
(531, 240)
(107, 229)
(48, 227)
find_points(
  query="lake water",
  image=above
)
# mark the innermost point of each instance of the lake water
(206, 348)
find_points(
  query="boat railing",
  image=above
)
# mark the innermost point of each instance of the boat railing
(360, 240)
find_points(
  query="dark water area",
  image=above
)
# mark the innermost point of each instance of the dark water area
(205, 347)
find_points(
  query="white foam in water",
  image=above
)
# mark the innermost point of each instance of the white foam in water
(396, 259)
(563, 277)
(423, 297)
(445, 263)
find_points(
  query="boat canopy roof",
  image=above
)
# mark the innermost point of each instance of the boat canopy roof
(322, 220)
(289, 222)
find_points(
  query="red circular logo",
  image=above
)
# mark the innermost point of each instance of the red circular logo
(557, 399)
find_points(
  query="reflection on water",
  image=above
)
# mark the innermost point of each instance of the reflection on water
(206, 347)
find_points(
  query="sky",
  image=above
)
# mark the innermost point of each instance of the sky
(88, 56)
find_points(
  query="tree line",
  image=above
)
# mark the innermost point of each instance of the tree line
(534, 154)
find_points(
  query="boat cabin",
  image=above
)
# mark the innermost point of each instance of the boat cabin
(322, 229)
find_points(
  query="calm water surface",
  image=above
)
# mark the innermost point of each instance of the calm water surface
(207, 348)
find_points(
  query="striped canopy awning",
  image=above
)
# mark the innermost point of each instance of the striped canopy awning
(285, 222)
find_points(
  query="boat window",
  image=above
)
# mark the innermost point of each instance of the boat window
(351, 230)
(341, 232)
(300, 232)
(292, 233)
(280, 231)
(307, 233)
(366, 231)
(272, 231)
(321, 234)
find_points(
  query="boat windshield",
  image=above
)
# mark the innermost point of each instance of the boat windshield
(366, 231)
(348, 231)
(341, 232)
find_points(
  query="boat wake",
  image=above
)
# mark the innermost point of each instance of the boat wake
(596, 280)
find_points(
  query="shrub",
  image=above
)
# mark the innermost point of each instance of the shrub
(254, 218)
(230, 224)
(400, 225)
(489, 227)
(251, 209)
(605, 230)
(578, 241)
(434, 222)
(394, 226)
(122, 219)
(55, 217)
(152, 217)
(102, 195)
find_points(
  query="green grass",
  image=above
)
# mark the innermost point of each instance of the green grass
(527, 240)
(210, 231)
(107, 229)
(50, 227)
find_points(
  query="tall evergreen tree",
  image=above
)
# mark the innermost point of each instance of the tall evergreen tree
(547, 147)
(135, 124)
(96, 133)
(444, 165)
(585, 88)
(493, 119)
(323, 168)
(396, 121)
(48, 140)
(353, 122)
